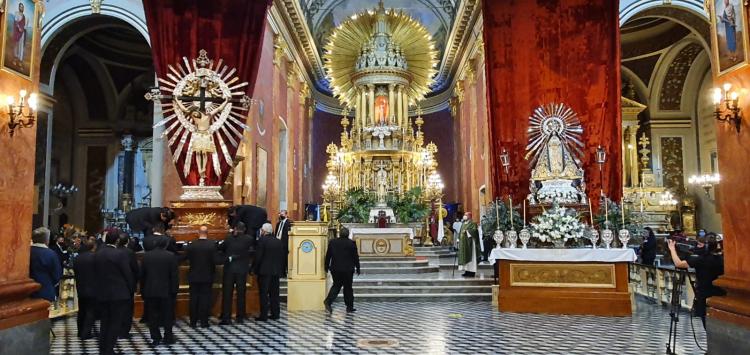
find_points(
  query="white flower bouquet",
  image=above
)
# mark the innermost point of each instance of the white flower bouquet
(557, 224)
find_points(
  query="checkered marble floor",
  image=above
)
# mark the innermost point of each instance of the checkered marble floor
(413, 328)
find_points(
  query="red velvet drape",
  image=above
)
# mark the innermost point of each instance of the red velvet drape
(546, 51)
(228, 29)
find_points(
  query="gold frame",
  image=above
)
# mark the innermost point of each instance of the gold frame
(584, 268)
(35, 31)
(715, 59)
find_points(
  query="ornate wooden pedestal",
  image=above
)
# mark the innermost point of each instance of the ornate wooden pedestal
(193, 214)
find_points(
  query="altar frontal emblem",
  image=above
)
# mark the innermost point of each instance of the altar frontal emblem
(204, 115)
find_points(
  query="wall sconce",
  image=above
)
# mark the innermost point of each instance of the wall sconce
(17, 118)
(706, 181)
(730, 112)
(505, 161)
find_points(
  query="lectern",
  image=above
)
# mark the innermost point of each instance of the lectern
(306, 276)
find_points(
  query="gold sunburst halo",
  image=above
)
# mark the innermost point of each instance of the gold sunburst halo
(345, 45)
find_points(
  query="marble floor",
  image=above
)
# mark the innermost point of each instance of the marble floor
(414, 328)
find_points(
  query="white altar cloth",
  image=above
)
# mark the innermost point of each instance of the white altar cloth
(565, 255)
(355, 231)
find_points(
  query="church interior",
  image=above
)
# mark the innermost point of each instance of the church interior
(511, 177)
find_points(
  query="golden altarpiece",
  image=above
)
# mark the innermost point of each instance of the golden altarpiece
(380, 63)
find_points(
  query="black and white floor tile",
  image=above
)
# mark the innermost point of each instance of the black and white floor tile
(414, 328)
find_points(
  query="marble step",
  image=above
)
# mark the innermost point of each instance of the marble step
(399, 270)
(434, 253)
(451, 266)
(431, 290)
(385, 282)
(367, 264)
(387, 258)
(414, 297)
(441, 248)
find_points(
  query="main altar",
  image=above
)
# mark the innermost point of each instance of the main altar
(380, 63)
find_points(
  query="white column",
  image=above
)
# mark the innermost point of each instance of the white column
(399, 105)
(157, 160)
(371, 104)
(390, 104)
(47, 167)
(363, 106)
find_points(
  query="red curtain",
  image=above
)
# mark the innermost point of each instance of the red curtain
(228, 29)
(546, 51)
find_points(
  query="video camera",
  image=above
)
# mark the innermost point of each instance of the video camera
(683, 245)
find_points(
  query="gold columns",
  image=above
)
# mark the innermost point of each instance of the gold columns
(405, 108)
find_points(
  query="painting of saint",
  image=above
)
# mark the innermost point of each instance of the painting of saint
(19, 36)
(729, 33)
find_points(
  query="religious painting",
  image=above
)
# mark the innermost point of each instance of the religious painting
(18, 36)
(672, 163)
(261, 176)
(728, 35)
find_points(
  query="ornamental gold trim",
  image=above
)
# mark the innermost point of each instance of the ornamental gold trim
(195, 219)
(563, 275)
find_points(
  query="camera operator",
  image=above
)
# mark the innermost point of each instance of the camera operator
(708, 262)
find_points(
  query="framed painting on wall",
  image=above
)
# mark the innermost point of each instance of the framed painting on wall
(728, 35)
(18, 36)
(261, 176)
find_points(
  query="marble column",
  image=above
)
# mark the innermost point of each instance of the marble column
(390, 105)
(632, 151)
(157, 160)
(371, 104)
(128, 146)
(399, 105)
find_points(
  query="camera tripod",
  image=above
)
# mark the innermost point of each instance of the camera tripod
(678, 284)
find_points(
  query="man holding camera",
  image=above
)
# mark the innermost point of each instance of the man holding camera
(708, 262)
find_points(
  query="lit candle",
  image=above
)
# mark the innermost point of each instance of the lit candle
(591, 213)
(641, 206)
(717, 96)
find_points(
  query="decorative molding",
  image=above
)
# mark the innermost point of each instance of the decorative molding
(279, 47)
(562, 275)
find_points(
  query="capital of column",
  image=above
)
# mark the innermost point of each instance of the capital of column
(127, 142)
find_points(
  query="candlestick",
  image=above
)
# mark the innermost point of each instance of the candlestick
(622, 209)
(606, 213)
(497, 213)
(510, 210)
(591, 213)
(524, 213)
(641, 206)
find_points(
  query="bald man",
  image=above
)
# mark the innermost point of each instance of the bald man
(203, 255)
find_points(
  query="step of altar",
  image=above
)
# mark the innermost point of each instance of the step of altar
(417, 290)
(402, 263)
(482, 266)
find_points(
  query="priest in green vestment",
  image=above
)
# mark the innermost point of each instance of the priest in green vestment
(468, 247)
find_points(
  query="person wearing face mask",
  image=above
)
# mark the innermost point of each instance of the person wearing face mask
(648, 248)
(283, 226)
(468, 246)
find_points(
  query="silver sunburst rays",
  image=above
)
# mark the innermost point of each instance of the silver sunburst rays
(214, 91)
(554, 119)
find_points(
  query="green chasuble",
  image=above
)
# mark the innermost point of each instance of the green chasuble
(464, 243)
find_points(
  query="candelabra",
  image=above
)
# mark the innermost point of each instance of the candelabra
(730, 112)
(22, 114)
(667, 199)
(63, 191)
(706, 181)
(331, 189)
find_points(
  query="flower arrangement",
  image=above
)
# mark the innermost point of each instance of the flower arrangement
(557, 225)
(614, 220)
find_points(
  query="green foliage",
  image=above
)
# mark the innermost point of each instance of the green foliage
(410, 206)
(356, 206)
(498, 208)
(613, 220)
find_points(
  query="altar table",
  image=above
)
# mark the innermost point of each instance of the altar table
(564, 281)
(383, 241)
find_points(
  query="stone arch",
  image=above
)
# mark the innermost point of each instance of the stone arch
(685, 13)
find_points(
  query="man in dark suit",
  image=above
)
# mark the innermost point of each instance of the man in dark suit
(236, 248)
(60, 247)
(159, 285)
(144, 219)
(282, 233)
(85, 274)
(159, 232)
(122, 243)
(342, 259)
(269, 266)
(252, 216)
(114, 287)
(44, 265)
(203, 256)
